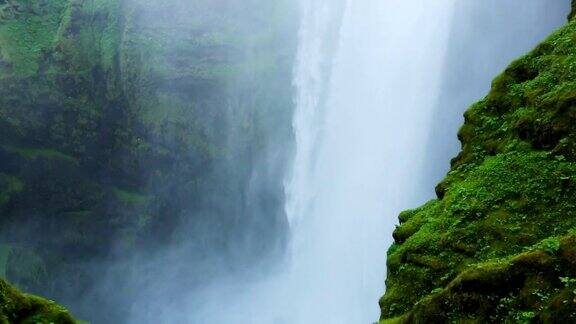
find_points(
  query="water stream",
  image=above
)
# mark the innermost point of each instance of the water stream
(361, 124)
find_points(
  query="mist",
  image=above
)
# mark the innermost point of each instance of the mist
(239, 161)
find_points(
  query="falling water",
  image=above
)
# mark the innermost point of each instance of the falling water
(360, 125)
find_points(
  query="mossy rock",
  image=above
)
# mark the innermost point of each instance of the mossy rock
(16, 307)
(525, 288)
(498, 243)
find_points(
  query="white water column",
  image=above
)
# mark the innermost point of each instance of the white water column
(362, 118)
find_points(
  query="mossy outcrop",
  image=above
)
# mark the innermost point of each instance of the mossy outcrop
(16, 307)
(111, 141)
(499, 243)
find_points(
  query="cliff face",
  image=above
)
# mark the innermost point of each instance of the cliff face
(499, 244)
(110, 112)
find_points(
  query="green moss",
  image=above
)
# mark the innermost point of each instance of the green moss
(16, 307)
(492, 247)
(27, 31)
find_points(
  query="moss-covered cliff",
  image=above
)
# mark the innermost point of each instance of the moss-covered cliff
(499, 244)
(111, 139)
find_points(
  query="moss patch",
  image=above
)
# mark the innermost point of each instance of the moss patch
(16, 307)
(28, 29)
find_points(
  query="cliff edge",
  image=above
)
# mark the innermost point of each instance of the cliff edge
(499, 243)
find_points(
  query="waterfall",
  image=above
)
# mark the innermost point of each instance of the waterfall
(363, 109)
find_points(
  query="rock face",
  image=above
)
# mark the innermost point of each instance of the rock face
(16, 307)
(499, 244)
(111, 137)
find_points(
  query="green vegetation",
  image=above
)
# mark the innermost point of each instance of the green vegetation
(25, 38)
(111, 119)
(498, 245)
(16, 307)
